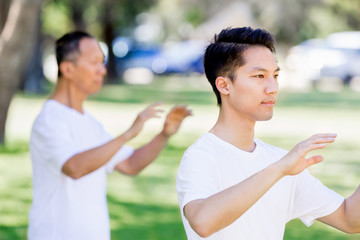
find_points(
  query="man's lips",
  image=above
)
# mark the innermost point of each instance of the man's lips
(99, 82)
(268, 102)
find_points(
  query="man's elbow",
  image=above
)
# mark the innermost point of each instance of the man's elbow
(203, 231)
(131, 173)
(353, 230)
(201, 227)
(72, 174)
(71, 171)
(127, 168)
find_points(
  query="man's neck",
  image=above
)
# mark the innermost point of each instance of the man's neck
(235, 130)
(65, 94)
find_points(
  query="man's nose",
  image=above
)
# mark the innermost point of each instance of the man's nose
(272, 86)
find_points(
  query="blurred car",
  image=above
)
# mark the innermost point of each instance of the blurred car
(129, 54)
(337, 56)
(180, 57)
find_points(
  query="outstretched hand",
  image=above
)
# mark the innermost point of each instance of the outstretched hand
(295, 161)
(149, 112)
(174, 119)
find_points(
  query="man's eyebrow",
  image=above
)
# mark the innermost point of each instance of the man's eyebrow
(260, 69)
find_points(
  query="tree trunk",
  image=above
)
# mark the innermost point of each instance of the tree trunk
(4, 9)
(109, 35)
(17, 40)
(32, 80)
(77, 15)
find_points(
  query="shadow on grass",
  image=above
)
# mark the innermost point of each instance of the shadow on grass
(296, 230)
(13, 232)
(14, 148)
(144, 221)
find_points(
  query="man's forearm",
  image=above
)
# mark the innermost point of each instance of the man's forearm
(352, 211)
(220, 210)
(144, 155)
(88, 161)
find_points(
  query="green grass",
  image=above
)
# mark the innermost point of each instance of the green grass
(145, 207)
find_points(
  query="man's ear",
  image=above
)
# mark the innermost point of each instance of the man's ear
(221, 84)
(66, 69)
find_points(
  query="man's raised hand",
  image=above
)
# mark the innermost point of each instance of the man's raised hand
(149, 112)
(174, 119)
(295, 161)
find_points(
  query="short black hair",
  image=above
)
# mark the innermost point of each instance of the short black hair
(225, 54)
(68, 45)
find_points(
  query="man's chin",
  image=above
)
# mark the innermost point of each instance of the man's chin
(266, 118)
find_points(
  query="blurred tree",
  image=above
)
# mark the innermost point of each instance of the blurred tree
(104, 19)
(109, 35)
(349, 10)
(16, 42)
(77, 14)
(116, 17)
(293, 21)
(4, 8)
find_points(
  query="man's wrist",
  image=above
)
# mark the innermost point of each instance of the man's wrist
(126, 136)
(163, 134)
(278, 169)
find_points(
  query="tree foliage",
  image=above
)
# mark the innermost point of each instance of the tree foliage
(291, 21)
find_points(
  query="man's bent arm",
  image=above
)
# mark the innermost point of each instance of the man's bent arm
(143, 156)
(88, 161)
(207, 216)
(347, 217)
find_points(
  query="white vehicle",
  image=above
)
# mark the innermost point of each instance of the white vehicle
(337, 56)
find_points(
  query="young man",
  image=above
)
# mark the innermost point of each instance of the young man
(72, 153)
(232, 185)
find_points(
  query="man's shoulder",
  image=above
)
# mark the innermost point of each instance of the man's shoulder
(51, 118)
(48, 111)
(202, 144)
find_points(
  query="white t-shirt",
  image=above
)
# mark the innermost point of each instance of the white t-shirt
(64, 208)
(211, 165)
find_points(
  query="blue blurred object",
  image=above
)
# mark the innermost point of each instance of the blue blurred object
(337, 56)
(129, 54)
(180, 57)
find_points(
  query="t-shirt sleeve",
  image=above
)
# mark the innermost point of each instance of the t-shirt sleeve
(196, 178)
(124, 153)
(52, 142)
(314, 200)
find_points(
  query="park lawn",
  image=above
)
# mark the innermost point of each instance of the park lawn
(145, 207)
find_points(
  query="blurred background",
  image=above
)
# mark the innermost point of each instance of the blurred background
(154, 53)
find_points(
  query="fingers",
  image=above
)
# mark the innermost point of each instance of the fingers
(177, 112)
(317, 141)
(314, 160)
(175, 118)
(295, 161)
(151, 111)
(180, 111)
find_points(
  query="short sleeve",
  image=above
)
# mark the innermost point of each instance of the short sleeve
(52, 142)
(196, 178)
(314, 200)
(124, 153)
